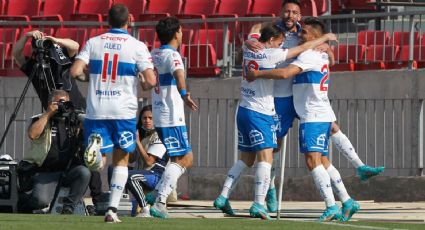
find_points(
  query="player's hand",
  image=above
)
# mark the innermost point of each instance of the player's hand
(251, 75)
(36, 34)
(331, 37)
(189, 102)
(324, 47)
(254, 45)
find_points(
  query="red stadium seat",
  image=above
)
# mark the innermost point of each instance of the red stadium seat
(308, 7)
(379, 65)
(92, 32)
(373, 37)
(400, 64)
(149, 35)
(77, 34)
(336, 6)
(321, 6)
(152, 17)
(2, 6)
(135, 7)
(382, 53)
(61, 9)
(402, 38)
(213, 37)
(340, 67)
(5, 49)
(418, 53)
(266, 8)
(94, 6)
(343, 53)
(201, 60)
(362, 5)
(88, 17)
(204, 7)
(9, 35)
(172, 7)
(231, 7)
(23, 7)
(194, 26)
(187, 36)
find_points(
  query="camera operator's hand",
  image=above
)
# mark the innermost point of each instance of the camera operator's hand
(18, 47)
(36, 34)
(52, 109)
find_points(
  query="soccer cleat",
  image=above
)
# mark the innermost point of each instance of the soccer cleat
(92, 155)
(331, 213)
(365, 172)
(150, 198)
(271, 200)
(349, 207)
(223, 204)
(159, 211)
(144, 215)
(258, 211)
(111, 217)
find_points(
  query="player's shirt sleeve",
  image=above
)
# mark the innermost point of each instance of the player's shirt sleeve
(306, 61)
(156, 148)
(278, 55)
(175, 62)
(143, 58)
(84, 54)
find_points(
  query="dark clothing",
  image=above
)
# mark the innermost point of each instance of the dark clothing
(58, 78)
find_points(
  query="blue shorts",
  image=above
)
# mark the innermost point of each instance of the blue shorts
(256, 131)
(147, 178)
(314, 137)
(285, 115)
(115, 133)
(175, 140)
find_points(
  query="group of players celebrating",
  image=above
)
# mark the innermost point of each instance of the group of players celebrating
(116, 62)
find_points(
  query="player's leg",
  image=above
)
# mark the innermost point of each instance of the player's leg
(349, 205)
(222, 202)
(285, 115)
(123, 134)
(344, 145)
(262, 183)
(181, 156)
(313, 141)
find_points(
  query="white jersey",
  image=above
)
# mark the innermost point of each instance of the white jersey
(167, 104)
(115, 58)
(283, 87)
(311, 87)
(258, 95)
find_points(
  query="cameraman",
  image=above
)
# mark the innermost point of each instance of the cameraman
(59, 59)
(54, 156)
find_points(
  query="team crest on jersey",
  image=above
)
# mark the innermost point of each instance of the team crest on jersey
(321, 139)
(172, 143)
(256, 137)
(126, 139)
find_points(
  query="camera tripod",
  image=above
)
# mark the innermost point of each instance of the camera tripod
(45, 82)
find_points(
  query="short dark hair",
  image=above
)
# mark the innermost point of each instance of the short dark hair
(270, 31)
(296, 2)
(118, 16)
(166, 28)
(57, 92)
(316, 24)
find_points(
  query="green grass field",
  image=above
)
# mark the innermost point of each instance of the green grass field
(47, 222)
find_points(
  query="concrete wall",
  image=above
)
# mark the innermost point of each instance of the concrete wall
(379, 111)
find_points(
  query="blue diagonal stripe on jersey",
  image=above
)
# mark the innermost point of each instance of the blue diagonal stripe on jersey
(310, 77)
(124, 68)
(166, 79)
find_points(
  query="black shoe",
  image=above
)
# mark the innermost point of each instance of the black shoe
(91, 210)
(67, 209)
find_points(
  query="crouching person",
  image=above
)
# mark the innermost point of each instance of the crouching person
(53, 156)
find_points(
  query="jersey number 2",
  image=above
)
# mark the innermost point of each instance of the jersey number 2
(106, 67)
(325, 71)
(251, 65)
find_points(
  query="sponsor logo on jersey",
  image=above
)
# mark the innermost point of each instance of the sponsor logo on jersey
(113, 38)
(108, 93)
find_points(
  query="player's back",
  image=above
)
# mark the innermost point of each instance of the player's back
(115, 58)
(310, 87)
(258, 95)
(167, 104)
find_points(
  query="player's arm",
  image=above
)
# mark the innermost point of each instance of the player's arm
(252, 43)
(78, 70)
(293, 52)
(282, 73)
(148, 79)
(181, 86)
(71, 45)
(331, 56)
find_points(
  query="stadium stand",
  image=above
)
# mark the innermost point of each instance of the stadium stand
(321, 6)
(148, 35)
(308, 8)
(213, 37)
(135, 7)
(371, 37)
(57, 10)
(358, 5)
(201, 60)
(418, 53)
(205, 7)
(152, 16)
(265, 8)
(234, 7)
(23, 7)
(381, 53)
(2, 6)
(91, 10)
(344, 53)
(172, 7)
(77, 34)
(402, 38)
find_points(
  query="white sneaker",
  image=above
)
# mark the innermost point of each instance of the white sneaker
(144, 215)
(92, 155)
(111, 217)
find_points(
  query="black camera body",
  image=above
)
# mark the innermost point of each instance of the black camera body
(42, 43)
(67, 111)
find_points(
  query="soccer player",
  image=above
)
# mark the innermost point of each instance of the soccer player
(115, 61)
(310, 86)
(256, 125)
(168, 99)
(289, 23)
